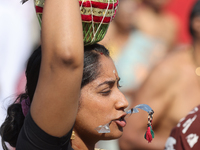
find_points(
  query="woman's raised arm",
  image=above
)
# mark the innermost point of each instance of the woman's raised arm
(55, 101)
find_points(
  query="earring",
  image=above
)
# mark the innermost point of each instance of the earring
(73, 135)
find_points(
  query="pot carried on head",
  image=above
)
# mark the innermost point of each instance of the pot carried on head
(96, 16)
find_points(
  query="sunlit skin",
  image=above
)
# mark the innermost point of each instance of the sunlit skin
(101, 102)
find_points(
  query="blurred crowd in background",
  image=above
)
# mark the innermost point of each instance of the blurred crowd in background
(152, 47)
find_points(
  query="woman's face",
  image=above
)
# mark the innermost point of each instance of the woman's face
(101, 102)
(124, 16)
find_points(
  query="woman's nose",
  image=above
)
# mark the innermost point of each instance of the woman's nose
(122, 102)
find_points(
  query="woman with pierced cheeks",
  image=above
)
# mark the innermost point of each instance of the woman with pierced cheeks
(100, 102)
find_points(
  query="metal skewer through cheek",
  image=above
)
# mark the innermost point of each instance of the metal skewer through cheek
(105, 128)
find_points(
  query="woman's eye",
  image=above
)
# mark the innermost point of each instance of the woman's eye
(106, 92)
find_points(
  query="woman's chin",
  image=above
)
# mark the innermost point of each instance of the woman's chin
(112, 135)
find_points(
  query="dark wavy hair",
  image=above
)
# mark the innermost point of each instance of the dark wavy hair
(194, 12)
(13, 123)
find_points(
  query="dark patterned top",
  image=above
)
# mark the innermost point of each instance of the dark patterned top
(185, 136)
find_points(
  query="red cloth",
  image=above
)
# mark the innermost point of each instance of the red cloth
(38, 9)
(96, 18)
(181, 9)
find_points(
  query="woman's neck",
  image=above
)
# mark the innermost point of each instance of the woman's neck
(80, 144)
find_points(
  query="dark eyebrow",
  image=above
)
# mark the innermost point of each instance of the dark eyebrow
(109, 82)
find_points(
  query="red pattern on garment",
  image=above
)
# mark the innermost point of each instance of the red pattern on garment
(38, 9)
(89, 18)
(95, 18)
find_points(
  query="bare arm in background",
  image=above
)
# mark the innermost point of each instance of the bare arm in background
(157, 92)
(55, 101)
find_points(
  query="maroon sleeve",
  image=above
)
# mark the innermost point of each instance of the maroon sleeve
(186, 133)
